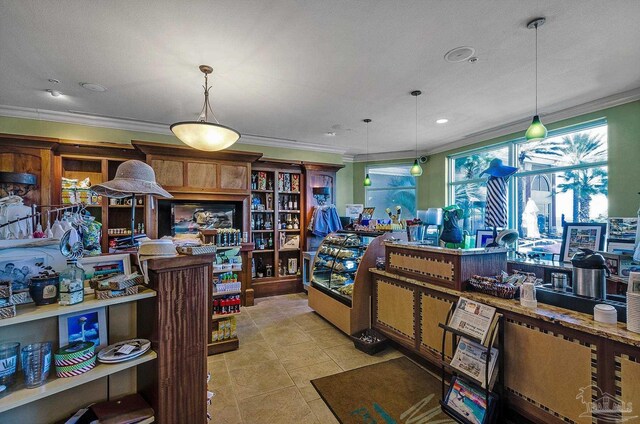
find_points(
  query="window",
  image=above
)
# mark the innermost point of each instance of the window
(561, 179)
(391, 186)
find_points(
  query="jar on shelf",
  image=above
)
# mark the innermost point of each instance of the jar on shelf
(71, 284)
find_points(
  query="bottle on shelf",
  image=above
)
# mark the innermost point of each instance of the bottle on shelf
(270, 241)
(296, 223)
(290, 203)
(295, 204)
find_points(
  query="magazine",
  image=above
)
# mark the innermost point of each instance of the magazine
(470, 358)
(473, 318)
(468, 402)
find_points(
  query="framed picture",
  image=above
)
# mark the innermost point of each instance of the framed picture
(620, 247)
(627, 266)
(623, 228)
(612, 262)
(484, 237)
(19, 271)
(353, 210)
(468, 403)
(89, 326)
(98, 268)
(585, 235)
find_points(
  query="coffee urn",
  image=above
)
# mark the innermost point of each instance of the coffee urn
(589, 274)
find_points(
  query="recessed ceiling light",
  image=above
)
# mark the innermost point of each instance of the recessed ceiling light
(93, 87)
(459, 54)
(54, 93)
(442, 121)
(330, 134)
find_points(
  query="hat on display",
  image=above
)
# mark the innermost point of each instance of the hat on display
(132, 177)
(497, 169)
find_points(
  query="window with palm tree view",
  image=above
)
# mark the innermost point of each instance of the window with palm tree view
(560, 179)
(391, 185)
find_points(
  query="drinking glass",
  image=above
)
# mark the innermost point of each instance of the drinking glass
(8, 363)
(36, 362)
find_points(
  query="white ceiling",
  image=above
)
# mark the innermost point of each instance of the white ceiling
(298, 69)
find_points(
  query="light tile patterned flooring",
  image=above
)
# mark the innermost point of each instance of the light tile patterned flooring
(283, 345)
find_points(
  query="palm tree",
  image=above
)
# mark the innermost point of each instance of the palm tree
(578, 149)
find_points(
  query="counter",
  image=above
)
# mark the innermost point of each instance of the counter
(555, 360)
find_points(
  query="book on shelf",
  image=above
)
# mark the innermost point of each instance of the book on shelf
(471, 359)
(473, 318)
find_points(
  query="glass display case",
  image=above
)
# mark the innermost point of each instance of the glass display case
(336, 264)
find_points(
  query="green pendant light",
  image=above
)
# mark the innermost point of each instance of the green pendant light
(536, 131)
(416, 169)
(367, 180)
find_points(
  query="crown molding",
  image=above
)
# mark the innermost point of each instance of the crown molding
(521, 125)
(94, 120)
(511, 127)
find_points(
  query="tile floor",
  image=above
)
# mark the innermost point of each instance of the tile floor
(283, 345)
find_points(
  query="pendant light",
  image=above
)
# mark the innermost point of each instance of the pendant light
(367, 180)
(416, 169)
(201, 134)
(536, 131)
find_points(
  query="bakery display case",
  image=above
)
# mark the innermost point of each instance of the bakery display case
(340, 288)
(336, 264)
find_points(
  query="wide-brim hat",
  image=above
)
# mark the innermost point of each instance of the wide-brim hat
(497, 169)
(132, 177)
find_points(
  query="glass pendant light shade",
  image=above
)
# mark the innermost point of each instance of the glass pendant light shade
(416, 169)
(201, 134)
(536, 131)
(367, 181)
(206, 136)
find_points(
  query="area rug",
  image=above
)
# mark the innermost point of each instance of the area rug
(392, 392)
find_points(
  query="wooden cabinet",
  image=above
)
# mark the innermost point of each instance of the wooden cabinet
(177, 325)
(184, 170)
(318, 175)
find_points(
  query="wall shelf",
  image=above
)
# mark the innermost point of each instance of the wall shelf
(26, 313)
(223, 293)
(221, 316)
(21, 396)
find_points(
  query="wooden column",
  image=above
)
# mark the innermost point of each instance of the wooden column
(176, 322)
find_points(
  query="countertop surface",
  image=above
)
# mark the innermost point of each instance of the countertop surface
(553, 314)
(443, 250)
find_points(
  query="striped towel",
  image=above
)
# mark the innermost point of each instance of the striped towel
(496, 211)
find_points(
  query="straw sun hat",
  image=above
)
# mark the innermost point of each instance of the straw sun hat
(132, 177)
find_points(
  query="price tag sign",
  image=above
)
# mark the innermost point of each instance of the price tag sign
(126, 349)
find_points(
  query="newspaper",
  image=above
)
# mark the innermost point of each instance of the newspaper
(470, 358)
(472, 318)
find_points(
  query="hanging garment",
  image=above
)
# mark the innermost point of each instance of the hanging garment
(496, 211)
(324, 220)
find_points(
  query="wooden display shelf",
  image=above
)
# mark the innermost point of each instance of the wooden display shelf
(26, 313)
(289, 230)
(264, 251)
(231, 292)
(262, 191)
(221, 316)
(289, 192)
(289, 211)
(222, 271)
(223, 346)
(124, 206)
(289, 249)
(262, 231)
(264, 211)
(20, 395)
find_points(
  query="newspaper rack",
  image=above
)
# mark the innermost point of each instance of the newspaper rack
(493, 398)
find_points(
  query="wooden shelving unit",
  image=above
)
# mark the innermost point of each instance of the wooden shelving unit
(20, 395)
(281, 205)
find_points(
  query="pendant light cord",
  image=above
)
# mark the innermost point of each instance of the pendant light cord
(416, 127)
(536, 69)
(206, 108)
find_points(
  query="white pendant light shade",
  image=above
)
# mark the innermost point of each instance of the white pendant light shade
(205, 135)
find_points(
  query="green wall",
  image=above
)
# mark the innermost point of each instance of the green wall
(624, 162)
(66, 131)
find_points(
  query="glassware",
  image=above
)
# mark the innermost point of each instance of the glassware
(8, 363)
(71, 281)
(36, 363)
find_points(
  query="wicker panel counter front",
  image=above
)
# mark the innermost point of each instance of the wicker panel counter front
(556, 360)
(445, 267)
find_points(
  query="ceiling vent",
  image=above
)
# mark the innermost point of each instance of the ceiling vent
(459, 54)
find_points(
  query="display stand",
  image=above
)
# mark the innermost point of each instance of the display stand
(492, 398)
